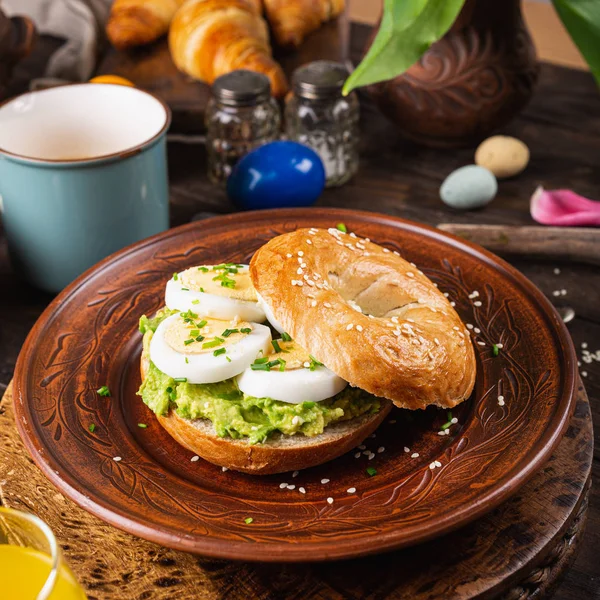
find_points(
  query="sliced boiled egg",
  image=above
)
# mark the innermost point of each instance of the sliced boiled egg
(269, 314)
(199, 349)
(220, 291)
(290, 374)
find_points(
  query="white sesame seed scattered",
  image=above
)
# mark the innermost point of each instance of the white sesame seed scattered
(499, 346)
(396, 253)
(351, 490)
(282, 485)
(312, 232)
(296, 419)
(454, 421)
(446, 294)
(352, 234)
(195, 458)
(556, 293)
(500, 402)
(366, 452)
(308, 242)
(578, 363)
(455, 328)
(224, 469)
(324, 481)
(481, 343)
(469, 326)
(302, 490)
(349, 326)
(117, 459)
(501, 397)
(386, 250)
(291, 487)
(326, 305)
(584, 345)
(359, 328)
(367, 240)
(371, 456)
(414, 455)
(357, 455)
(432, 466)
(330, 500)
(563, 292)
(584, 373)
(451, 304)
(362, 447)
(409, 274)
(299, 271)
(437, 342)
(406, 449)
(295, 473)
(477, 330)
(299, 283)
(438, 463)
(380, 449)
(339, 243)
(313, 303)
(300, 253)
(310, 282)
(441, 432)
(477, 303)
(289, 255)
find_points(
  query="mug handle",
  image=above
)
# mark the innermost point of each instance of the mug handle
(24, 35)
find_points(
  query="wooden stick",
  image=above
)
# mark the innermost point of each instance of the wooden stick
(578, 244)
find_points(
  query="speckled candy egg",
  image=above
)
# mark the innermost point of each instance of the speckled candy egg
(504, 156)
(469, 187)
(278, 174)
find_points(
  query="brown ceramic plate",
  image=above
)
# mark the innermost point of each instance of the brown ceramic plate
(88, 338)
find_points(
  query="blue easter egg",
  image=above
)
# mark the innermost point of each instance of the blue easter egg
(469, 187)
(278, 174)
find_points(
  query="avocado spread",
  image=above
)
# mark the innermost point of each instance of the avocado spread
(238, 415)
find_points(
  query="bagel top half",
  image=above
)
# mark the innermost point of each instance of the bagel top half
(368, 315)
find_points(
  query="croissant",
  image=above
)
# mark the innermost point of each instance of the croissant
(209, 38)
(138, 22)
(293, 20)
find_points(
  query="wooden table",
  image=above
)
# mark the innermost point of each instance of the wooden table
(561, 127)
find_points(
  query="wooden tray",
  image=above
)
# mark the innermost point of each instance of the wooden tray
(87, 338)
(152, 69)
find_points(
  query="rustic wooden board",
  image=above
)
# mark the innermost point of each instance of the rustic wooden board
(518, 551)
(152, 69)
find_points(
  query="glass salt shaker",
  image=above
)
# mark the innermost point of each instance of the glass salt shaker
(317, 115)
(240, 116)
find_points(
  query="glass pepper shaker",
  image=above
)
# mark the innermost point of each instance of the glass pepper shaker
(240, 116)
(318, 116)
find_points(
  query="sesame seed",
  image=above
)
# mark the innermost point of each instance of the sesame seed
(357, 455)
(299, 271)
(326, 305)
(386, 250)
(367, 240)
(414, 455)
(302, 490)
(477, 303)
(308, 242)
(584, 345)
(313, 303)
(396, 253)
(362, 447)
(324, 481)
(349, 326)
(406, 449)
(300, 253)
(477, 330)
(303, 265)
(584, 373)
(352, 234)
(469, 326)
(294, 282)
(500, 397)
(437, 342)
(371, 456)
(446, 294)
(291, 487)
(454, 421)
(224, 469)
(481, 343)
(282, 485)
(339, 243)
(461, 334)
(117, 459)
(310, 282)
(367, 452)
(563, 292)
(455, 328)
(195, 458)
(432, 466)
(438, 463)
(409, 274)
(557, 271)
(500, 346)
(441, 432)
(359, 328)
(295, 473)
(351, 490)
(299, 283)
(380, 449)
(289, 255)
(556, 293)
(410, 320)
(330, 500)
(500, 402)
(451, 304)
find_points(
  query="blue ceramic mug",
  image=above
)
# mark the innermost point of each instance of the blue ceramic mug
(83, 173)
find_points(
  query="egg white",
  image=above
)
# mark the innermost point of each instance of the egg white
(181, 297)
(269, 314)
(205, 367)
(293, 386)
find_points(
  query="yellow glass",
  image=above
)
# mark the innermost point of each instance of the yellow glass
(31, 564)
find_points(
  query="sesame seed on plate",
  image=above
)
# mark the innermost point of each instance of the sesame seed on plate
(362, 447)
(295, 473)
(380, 449)
(477, 330)
(351, 490)
(299, 283)
(410, 320)
(414, 455)
(557, 271)
(452, 304)
(469, 326)
(324, 481)
(396, 253)
(195, 458)
(584, 373)
(556, 293)
(282, 485)
(386, 250)
(500, 402)
(117, 459)
(366, 452)
(302, 490)
(499, 346)
(367, 240)
(441, 432)
(352, 234)
(477, 303)
(446, 294)
(437, 342)
(454, 420)
(481, 343)
(409, 274)
(584, 345)
(432, 465)
(330, 500)
(299, 271)
(406, 449)
(438, 463)
(291, 487)
(311, 232)
(563, 292)
(371, 456)
(357, 455)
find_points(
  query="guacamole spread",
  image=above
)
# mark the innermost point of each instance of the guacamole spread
(238, 415)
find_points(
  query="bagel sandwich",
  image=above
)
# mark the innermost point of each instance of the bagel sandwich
(352, 328)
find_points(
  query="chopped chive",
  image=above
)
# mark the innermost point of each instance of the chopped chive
(314, 363)
(92, 427)
(203, 269)
(187, 362)
(169, 390)
(261, 361)
(188, 342)
(308, 404)
(282, 364)
(227, 359)
(273, 363)
(201, 324)
(449, 415)
(172, 395)
(228, 332)
(341, 227)
(188, 314)
(180, 379)
(194, 332)
(371, 471)
(219, 351)
(216, 342)
(248, 520)
(185, 289)
(495, 350)
(196, 301)
(286, 337)
(175, 277)
(446, 426)
(103, 391)
(245, 330)
(260, 367)
(199, 338)
(276, 346)
(202, 290)
(142, 425)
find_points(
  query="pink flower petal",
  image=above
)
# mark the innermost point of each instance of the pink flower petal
(564, 207)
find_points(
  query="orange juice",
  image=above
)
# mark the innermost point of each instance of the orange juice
(23, 572)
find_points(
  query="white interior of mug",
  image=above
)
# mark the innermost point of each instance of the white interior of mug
(80, 122)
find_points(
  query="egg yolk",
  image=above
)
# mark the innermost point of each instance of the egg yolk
(295, 356)
(232, 281)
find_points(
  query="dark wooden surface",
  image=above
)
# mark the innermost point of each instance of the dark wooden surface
(562, 128)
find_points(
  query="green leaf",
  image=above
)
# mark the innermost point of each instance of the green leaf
(582, 20)
(407, 30)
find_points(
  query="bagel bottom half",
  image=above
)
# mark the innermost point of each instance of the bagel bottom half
(280, 453)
